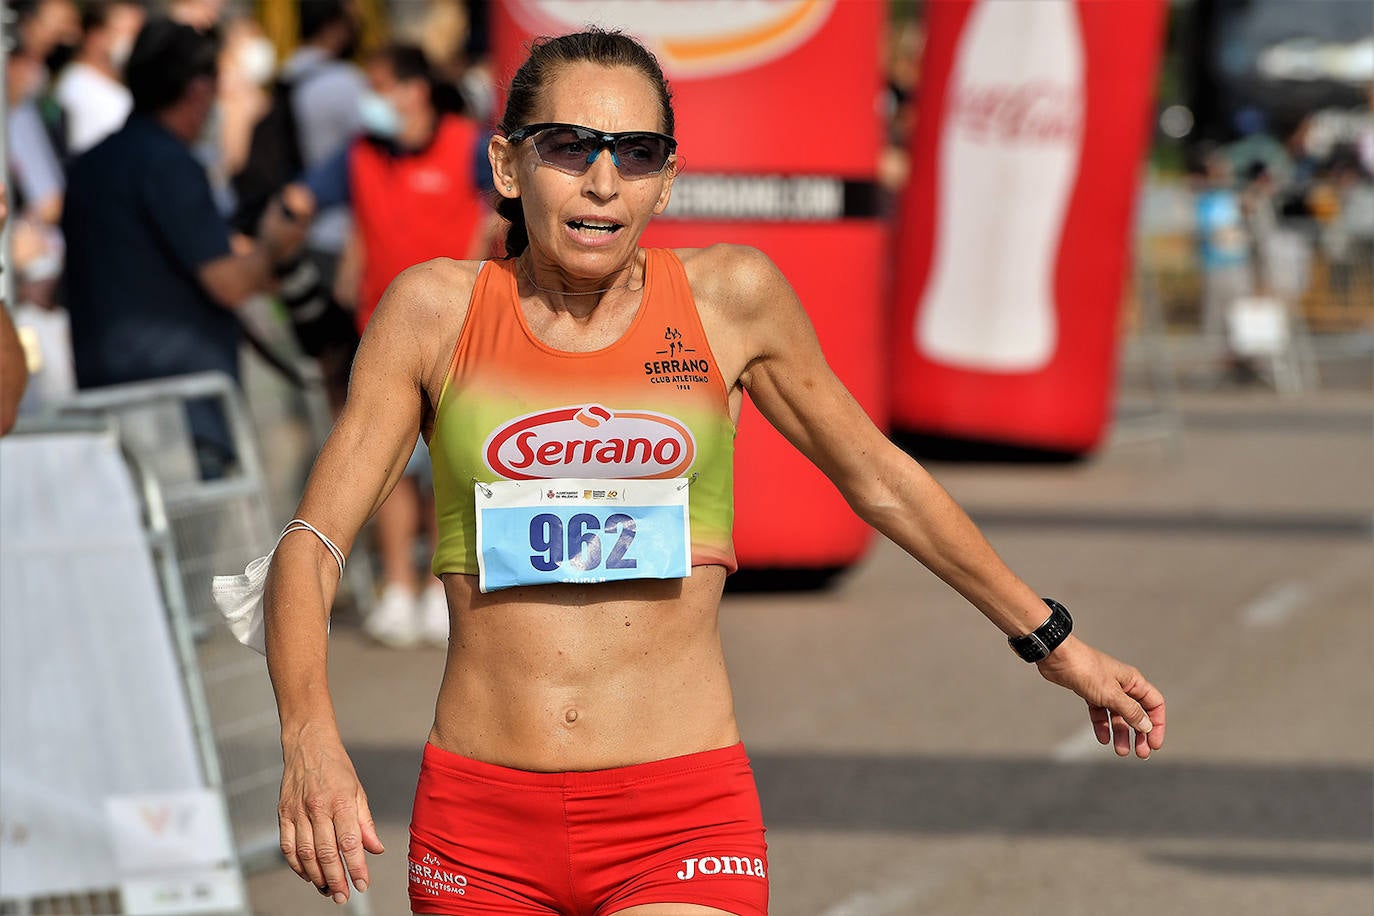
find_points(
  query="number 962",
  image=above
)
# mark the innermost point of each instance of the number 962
(579, 542)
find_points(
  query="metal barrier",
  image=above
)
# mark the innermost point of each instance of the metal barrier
(215, 527)
(156, 534)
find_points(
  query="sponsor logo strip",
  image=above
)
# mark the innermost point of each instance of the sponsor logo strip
(773, 198)
(590, 441)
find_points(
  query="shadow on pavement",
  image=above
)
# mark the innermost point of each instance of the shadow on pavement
(1152, 800)
(1285, 866)
(1017, 797)
(1338, 525)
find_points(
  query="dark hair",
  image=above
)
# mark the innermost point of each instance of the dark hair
(318, 15)
(406, 62)
(538, 72)
(96, 15)
(166, 58)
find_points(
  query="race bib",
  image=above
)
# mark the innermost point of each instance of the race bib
(537, 532)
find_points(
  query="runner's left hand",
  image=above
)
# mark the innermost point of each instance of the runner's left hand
(1120, 700)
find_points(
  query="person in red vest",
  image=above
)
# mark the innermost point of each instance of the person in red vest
(415, 181)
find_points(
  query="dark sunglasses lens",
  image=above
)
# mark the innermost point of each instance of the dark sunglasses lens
(565, 148)
(641, 154)
(570, 148)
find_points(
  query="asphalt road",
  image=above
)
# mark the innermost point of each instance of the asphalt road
(909, 764)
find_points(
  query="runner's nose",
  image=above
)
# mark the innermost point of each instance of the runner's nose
(602, 176)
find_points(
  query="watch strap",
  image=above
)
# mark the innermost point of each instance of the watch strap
(1044, 639)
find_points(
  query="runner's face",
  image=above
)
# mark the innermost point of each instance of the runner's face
(558, 206)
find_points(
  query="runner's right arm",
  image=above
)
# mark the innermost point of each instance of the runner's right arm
(324, 818)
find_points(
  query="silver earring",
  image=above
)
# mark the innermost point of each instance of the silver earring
(510, 187)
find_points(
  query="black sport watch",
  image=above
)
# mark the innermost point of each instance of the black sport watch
(1044, 639)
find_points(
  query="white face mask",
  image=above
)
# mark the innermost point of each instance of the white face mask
(257, 60)
(239, 598)
(379, 116)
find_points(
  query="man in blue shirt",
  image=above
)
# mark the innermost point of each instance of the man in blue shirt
(151, 279)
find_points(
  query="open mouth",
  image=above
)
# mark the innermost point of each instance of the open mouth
(594, 226)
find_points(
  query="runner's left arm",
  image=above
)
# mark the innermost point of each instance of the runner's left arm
(788, 379)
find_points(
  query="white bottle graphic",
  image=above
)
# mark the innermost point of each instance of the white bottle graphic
(1008, 160)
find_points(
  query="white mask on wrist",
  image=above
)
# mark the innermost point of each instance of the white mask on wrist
(239, 598)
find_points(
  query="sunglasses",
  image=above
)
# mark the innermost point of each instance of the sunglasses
(571, 148)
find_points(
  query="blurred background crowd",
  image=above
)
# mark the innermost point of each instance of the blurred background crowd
(1260, 182)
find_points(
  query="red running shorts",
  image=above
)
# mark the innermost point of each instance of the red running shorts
(491, 840)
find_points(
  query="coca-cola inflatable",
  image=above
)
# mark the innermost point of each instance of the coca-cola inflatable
(777, 121)
(1014, 230)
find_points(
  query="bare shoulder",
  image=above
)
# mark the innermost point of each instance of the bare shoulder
(429, 295)
(739, 281)
(729, 270)
(419, 317)
(747, 307)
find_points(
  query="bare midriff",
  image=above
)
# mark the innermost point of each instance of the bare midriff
(574, 678)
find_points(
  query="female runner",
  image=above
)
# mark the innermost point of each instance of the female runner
(584, 757)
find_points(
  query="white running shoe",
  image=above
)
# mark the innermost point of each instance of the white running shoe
(392, 621)
(432, 608)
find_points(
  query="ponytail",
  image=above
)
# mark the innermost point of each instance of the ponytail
(517, 236)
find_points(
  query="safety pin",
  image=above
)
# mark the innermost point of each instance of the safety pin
(690, 480)
(486, 490)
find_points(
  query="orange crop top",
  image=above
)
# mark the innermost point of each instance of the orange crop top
(652, 404)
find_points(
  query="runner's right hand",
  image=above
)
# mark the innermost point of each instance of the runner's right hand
(326, 825)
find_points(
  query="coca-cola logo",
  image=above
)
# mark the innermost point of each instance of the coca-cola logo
(590, 441)
(1034, 112)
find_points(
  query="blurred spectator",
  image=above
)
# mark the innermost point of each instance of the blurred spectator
(415, 179)
(1343, 203)
(1357, 214)
(903, 70)
(413, 182)
(151, 278)
(1223, 244)
(1256, 144)
(14, 374)
(1281, 254)
(247, 65)
(1300, 153)
(49, 32)
(1365, 142)
(326, 89)
(200, 14)
(90, 90)
(442, 33)
(1261, 223)
(36, 165)
(37, 184)
(314, 114)
(458, 57)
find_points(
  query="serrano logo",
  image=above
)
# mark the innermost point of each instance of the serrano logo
(590, 441)
(692, 38)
